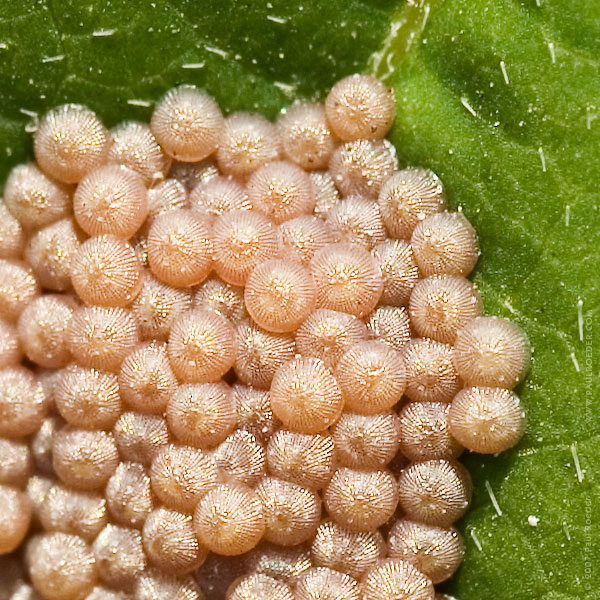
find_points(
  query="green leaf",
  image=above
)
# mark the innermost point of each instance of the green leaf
(501, 99)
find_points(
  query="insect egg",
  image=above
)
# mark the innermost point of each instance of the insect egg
(243, 239)
(305, 459)
(23, 402)
(254, 413)
(15, 518)
(240, 458)
(219, 195)
(70, 142)
(408, 197)
(10, 349)
(18, 287)
(258, 586)
(84, 459)
(41, 444)
(358, 221)
(201, 415)
(157, 585)
(158, 306)
(361, 167)
(37, 490)
(16, 462)
(391, 325)
(361, 500)
(425, 433)
(399, 271)
(260, 353)
(119, 555)
(181, 475)
(139, 436)
(73, 511)
(12, 236)
(100, 338)
(112, 200)
(50, 252)
(170, 543)
(445, 243)
(326, 193)
(490, 351)
(221, 297)
(301, 237)
(372, 377)
(134, 147)
(394, 578)
(180, 248)
(128, 495)
(102, 593)
(279, 562)
(279, 295)
(430, 372)
(187, 123)
(305, 136)
(61, 566)
(435, 551)
(292, 512)
(202, 346)
(247, 142)
(347, 279)
(229, 520)
(327, 334)
(487, 420)
(281, 191)
(146, 381)
(305, 395)
(42, 330)
(366, 441)
(34, 199)
(105, 271)
(49, 378)
(442, 305)
(322, 582)
(360, 106)
(435, 492)
(166, 196)
(351, 552)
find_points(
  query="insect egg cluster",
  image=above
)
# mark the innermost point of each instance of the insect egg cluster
(240, 359)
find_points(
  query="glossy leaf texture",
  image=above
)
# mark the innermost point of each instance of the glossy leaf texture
(501, 99)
